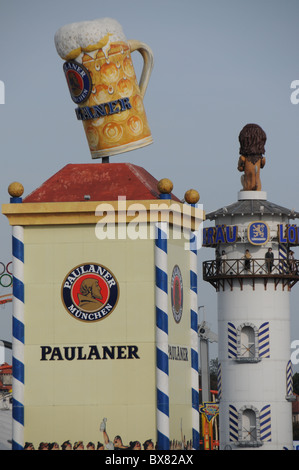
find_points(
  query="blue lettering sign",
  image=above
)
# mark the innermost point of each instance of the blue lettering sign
(222, 234)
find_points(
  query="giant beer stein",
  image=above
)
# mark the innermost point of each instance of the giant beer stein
(102, 82)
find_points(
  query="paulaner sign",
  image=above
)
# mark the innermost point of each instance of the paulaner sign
(88, 353)
(220, 234)
(89, 292)
(178, 353)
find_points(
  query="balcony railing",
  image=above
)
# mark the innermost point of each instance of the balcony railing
(215, 271)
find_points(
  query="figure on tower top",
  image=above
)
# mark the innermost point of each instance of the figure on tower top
(252, 140)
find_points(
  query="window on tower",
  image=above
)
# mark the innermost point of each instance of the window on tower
(247, 342)
(249, 428)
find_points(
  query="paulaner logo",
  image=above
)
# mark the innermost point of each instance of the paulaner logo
(90, 292)
(2, 92)
(78, 80)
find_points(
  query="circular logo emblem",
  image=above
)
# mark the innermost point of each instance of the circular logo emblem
(258, 233)
(90, 292)
(177, 293)
(78, 80)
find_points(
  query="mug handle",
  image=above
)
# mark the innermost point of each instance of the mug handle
(148, 62)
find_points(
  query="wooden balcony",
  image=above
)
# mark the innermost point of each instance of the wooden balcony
(219, 273)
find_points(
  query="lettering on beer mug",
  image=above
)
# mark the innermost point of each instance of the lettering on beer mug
(103, 109)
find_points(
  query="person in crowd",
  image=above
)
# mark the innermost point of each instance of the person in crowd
(223, 261)
(134, 445)
(247, 258)
(78, 445)
(291, 260)
(269, 257)
(218, 261)
(66, 445)
(28, 446)
(90, 446)
(43, 446)
(148, 445)
(117, 443)
(53, 446)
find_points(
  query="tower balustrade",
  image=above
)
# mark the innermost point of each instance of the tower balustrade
(217, 273)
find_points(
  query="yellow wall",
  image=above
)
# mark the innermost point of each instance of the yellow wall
(68, 399)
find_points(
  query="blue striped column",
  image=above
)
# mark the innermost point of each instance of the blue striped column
(283, 257)
(18, 338)
(194, 341)
(289, 374)
(162, 367)
(219, 382)
(233, 423)
(264, 340)
(232, 340)
(265, 423)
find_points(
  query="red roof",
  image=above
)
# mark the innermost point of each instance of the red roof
(100, 181)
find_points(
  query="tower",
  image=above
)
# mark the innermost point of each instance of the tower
(253, 290)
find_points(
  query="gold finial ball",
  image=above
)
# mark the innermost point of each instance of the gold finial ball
(15, 189)
(192, 196)
(165, 186)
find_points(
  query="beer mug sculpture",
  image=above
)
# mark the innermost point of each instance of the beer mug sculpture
(102, 82)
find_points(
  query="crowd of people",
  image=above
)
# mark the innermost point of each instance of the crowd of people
(115, 445)
(222, 266)
(79, 445)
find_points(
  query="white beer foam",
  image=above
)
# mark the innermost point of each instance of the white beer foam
(83, 35)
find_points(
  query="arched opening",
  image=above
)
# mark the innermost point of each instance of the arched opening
(249, 429)
(247, 342)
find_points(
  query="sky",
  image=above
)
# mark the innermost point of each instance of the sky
(219, 64)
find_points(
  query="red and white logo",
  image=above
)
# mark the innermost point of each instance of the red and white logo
(177, 293)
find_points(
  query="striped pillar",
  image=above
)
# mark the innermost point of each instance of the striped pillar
(232, 340)
(265, 423)
(289, 379)
(162, 367)
(17, 333)
(194, 341)
(219, 382)
(233, 423)
(18, 338)
(264, 340)
(283, 257)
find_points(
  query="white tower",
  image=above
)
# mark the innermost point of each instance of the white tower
(255, 376)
